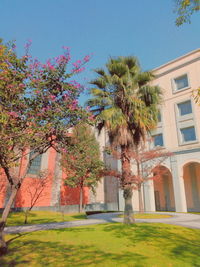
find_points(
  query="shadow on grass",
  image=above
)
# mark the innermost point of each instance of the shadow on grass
(17, 218)
(177, 242)
(79, 216)
(15, 237)
(40, 253)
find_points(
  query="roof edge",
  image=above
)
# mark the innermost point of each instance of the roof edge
(177, 59)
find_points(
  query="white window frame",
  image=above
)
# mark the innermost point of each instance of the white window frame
(186, 116)
(174, 88)
(181, 137)
(153, 136)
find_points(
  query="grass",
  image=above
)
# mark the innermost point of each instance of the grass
(149, 216)
(37, 217)
(143, 244)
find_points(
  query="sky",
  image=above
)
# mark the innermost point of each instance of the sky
(101, 28)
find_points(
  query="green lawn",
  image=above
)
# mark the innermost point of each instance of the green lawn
(149, 216)
(148, 245)
(37, 217)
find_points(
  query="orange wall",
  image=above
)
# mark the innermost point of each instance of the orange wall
(69, 196)
(3, 186)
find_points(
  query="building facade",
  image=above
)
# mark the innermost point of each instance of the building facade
(178, 131)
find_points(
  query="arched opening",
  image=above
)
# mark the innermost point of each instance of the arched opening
(163, 190)
(191, 176)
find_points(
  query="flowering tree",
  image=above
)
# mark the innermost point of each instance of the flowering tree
(38, 104)
(82, 162)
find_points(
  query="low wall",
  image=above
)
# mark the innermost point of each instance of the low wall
(74, 208)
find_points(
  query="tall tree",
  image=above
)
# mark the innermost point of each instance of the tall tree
(125, 103)
(185, 9)
(81, 161)
(38, 104)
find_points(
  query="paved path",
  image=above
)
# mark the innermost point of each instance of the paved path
(182, 219)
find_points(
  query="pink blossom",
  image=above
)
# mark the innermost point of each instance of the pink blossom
(61, 59)
(28, 44)
(76, 84)
(86, 58)
(91, 117)
(66, 47)
(53, 97)
(13, 114)
(65, 96)
(78, 70)
(21, 85)
(75, 102)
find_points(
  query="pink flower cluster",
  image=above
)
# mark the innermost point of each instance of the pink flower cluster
(52, 97)
(75, 84)
(73, 105)
(86, 58)
(45, 109)
(50, 65)
(27, 45)
(13, 114)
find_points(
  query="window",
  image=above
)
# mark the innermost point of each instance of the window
(35, 164)
(158, 140)
(188, 134)
(181, 82)
(185, 108)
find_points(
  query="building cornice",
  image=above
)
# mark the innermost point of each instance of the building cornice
(178, 66)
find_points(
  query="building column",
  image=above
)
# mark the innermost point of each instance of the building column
(179, 188)
(149, 198)
(120, 200)
(56, 182)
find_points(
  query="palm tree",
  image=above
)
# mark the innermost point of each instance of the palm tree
(125, 103)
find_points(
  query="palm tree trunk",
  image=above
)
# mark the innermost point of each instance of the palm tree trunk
(3, 245)
(126, 184)
(128, 209)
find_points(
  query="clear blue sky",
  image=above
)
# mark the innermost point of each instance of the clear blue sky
(143, 28)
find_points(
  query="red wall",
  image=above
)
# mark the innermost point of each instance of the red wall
(69, 196)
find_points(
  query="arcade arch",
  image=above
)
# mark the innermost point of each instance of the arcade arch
(163, 190)
(191, 177)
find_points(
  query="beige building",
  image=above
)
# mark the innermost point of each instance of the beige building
(178, 131)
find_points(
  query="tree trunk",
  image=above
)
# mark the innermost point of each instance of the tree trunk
(81, 200)
(26, 216)
(128, 210)
(127, 186)
(3, 245)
